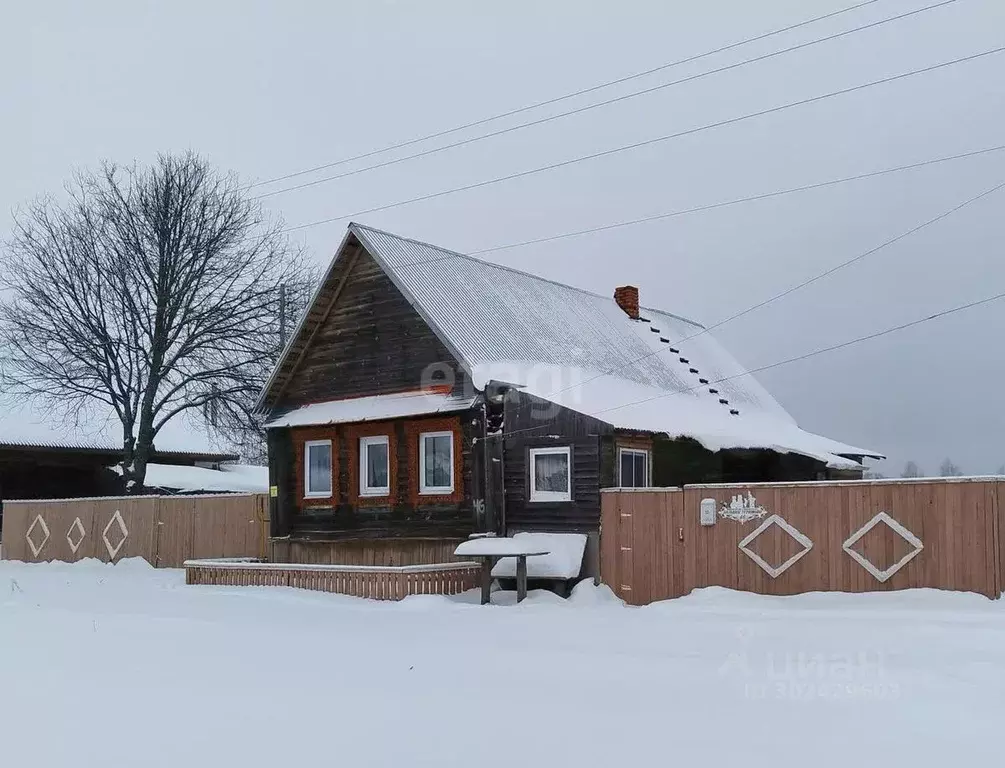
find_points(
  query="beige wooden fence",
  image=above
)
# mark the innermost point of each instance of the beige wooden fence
(788, 538)
(164, 530)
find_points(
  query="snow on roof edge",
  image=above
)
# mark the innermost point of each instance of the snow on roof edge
(630, 406)
(181, 478)
(373, 408)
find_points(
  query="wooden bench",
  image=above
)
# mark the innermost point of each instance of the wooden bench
(489, 549)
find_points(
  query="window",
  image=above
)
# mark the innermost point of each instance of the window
(373, 466)
(550, 474)
(318, 468)
(436, 462)
(634, 468)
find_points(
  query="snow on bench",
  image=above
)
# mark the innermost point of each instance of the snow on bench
(490, 546)
(563, 561)
(560, 554)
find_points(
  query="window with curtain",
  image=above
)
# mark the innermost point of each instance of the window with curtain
(436, 462)
(551, 474)
(318, 468)
(374, 466)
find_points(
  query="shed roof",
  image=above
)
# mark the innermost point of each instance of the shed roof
(27, 426)
(508, 325)
(228, 479)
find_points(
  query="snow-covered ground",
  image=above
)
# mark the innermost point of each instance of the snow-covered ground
(107, 665)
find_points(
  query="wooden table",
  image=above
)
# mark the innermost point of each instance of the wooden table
(490, 550)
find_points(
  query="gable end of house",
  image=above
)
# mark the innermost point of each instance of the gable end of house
(360, 336)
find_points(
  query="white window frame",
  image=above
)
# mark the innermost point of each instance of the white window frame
(364, 443)
(539, 496)
(430, 490)
(308, 493)
(636, 452)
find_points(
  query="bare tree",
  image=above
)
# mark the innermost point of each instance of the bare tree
(153, 292)
(1001, 469)
(242, 427)
(948, 469)
(911, 469)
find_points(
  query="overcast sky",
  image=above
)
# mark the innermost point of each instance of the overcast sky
(268, 88)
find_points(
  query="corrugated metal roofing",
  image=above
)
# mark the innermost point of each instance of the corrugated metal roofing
(490, 313)
(25, 426)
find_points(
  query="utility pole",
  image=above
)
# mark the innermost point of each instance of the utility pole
(282, 316)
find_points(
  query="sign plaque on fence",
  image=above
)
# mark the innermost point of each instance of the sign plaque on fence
(708, 512)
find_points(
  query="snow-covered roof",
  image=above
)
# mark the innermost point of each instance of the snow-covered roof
(495, 318)
(229, 478)
(631, 406)
(375, 408)
(25, 425)
(519, 316)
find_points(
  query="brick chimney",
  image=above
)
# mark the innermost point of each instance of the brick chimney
(627, 297)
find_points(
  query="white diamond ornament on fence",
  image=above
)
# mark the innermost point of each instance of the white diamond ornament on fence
(893, 525)
(75, 535)
(123, 532)
(31, 534)
(773, 571)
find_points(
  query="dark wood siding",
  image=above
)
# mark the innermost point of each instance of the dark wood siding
(371, 342)
(683, 461)
(534, 423)
(282, 506)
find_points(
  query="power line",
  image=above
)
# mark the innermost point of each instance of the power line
(713, 206)
(735, 201)
(647, 142)
(792, 289)
(608, 102)
(565, 97)
(832, 348)
(678, 344)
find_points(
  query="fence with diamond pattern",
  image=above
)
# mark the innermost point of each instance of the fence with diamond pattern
(786, 538)
(164, 530)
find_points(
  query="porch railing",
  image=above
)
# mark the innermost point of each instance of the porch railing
(375, 582)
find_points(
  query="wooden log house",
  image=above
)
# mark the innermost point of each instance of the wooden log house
(426, 395)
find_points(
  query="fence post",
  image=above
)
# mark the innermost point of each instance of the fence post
(998, 551)
(158, 524)
(263, 529)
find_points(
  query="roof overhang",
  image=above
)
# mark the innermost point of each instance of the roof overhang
(374, 408)
(100, 452)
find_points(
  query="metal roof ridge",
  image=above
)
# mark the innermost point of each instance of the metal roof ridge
(675, 316)
(523, 272)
